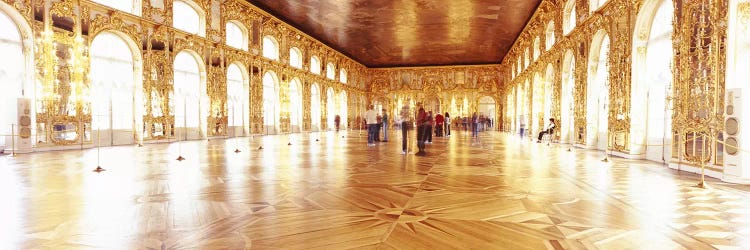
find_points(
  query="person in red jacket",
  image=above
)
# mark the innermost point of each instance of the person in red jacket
(439, 123)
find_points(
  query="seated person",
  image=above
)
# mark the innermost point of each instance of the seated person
(550, 129)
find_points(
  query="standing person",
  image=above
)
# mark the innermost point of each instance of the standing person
(550, 129)
(431, 125)
(372, 122)
(385, 126)
(405, 122)
(377, 128)
(421, 129)
(439, 120)
(337, 121)
(447, 124)
(474, 125)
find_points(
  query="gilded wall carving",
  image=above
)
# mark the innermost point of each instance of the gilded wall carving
(699, 35)
(62, 63)
(449, 85)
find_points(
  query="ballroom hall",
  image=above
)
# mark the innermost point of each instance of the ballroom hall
(360, 124)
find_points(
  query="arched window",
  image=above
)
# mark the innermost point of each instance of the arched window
(270, 102)
(331, 71)
(315, 107)
(12, 74)
(597, 102)
(270, 48)
(519, 65)
(315, 65)
(189, 89)
(550, 35)
(237, 35)
(526, 58)
(651, 85)
(295, 57)
(330, 108)
(238, 90)
(189, 17)
(595, 4)
(537, 42)
(113, 90)
(129, 6)
(343, 109)
(569, 17)
(343, 76)
(567, 99)
(295, 102)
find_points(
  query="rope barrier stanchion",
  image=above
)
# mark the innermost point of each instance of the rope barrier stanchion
(98, 168)
(13, 139)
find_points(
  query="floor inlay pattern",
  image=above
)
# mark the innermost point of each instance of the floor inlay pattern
(493, 193)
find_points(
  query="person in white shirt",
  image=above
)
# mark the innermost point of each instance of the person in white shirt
(550, 129)
(371, 118)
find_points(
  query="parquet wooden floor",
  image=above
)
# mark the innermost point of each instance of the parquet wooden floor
(493, 193)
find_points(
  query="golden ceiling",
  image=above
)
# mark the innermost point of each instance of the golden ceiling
(389, 33)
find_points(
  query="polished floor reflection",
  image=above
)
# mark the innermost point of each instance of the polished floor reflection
(330, 192)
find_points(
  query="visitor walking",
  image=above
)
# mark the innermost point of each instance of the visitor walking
(474, 125)
(447, 124)
(405, 123)
(421, 131)
(431, 124)
(439, 120)
(385, 126)
(337, 121)
(379, 124)
(372, 123)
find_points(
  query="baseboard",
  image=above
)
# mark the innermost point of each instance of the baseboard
(627, 156)
(692, 169)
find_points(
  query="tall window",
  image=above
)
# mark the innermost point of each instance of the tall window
(237, 35)
(12, 74)
(237, 96)
(188, 17)
(295, 57)
(270, 102)
(295, 96)
(315, 65)
(270, 48)
(550, 35)
(537, 42)
(315, 107)
(330, 108)
(331, 71)
(569, 17)
(526, 58)
(342, 76)
(343, 109)
(187, 94)
(129, 6)
(113, 83)
(519, 65)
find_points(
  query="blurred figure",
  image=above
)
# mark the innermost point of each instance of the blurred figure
(447, 124)
(405, 124)
(385, 126)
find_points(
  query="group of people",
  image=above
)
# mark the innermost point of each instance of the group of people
(375, 122)
(427, 124)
